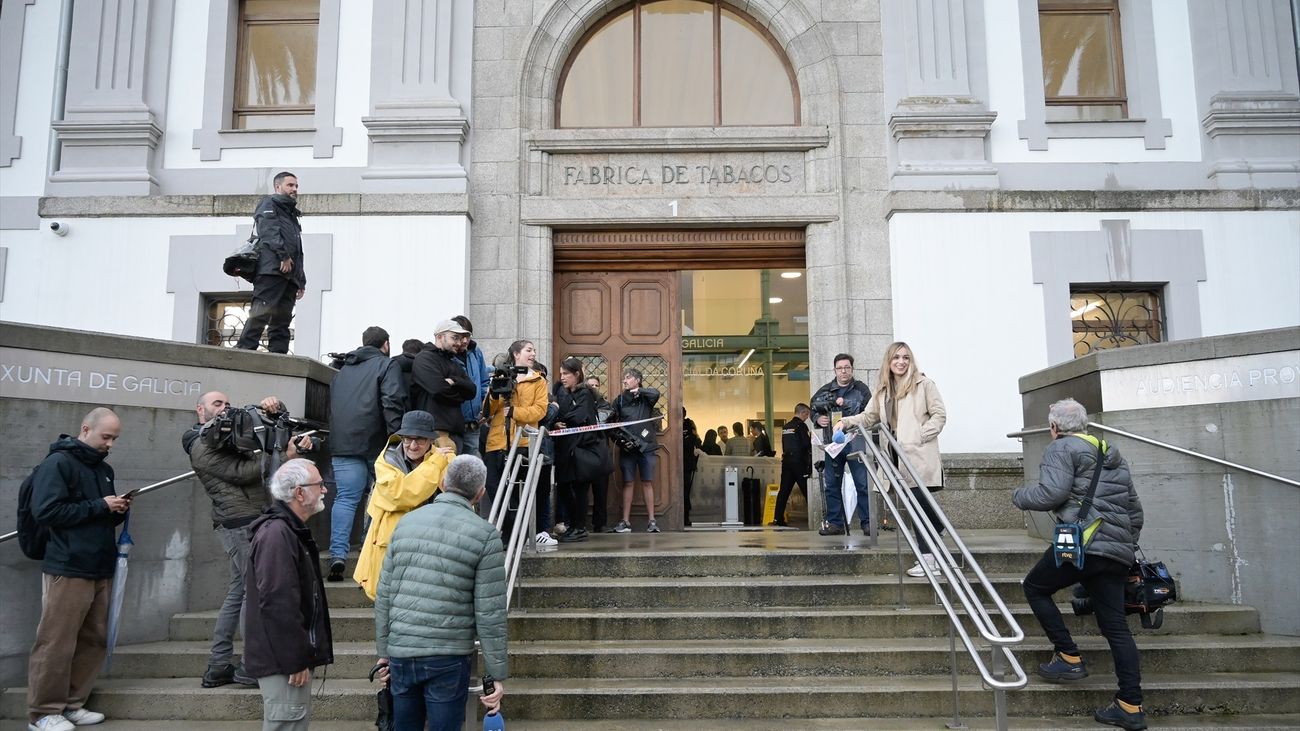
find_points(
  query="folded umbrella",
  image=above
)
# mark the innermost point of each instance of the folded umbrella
(124, 544)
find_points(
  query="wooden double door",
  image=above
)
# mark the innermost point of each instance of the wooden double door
(613, 321)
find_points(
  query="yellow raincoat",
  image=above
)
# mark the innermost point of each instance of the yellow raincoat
(395, 494)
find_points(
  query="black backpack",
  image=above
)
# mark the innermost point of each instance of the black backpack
(32, 536)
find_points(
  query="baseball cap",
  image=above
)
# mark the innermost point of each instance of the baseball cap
(450, 326)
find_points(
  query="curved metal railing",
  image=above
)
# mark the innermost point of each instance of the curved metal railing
(953, 590)
(1170, 447)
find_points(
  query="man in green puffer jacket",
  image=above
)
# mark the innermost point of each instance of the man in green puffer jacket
(443, 582)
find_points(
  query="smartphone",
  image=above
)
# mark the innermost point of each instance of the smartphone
(130, 494)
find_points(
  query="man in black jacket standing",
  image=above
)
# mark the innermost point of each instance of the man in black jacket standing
(439, 385)
(74, 498)
(843, 396)
(366, 405)
(287, 627)
(280, 279)
(796, 459)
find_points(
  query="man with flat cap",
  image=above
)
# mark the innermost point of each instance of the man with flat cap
(439, 385)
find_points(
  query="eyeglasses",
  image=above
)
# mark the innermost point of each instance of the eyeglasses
(416, 440)
(329, 484)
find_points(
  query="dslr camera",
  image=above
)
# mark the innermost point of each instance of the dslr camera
(501, 384)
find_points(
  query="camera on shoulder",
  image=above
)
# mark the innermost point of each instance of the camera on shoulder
(501, 382)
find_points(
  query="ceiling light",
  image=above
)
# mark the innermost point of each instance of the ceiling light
(774, 300)
(791, 275)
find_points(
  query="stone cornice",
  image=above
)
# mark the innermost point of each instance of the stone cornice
(919, 201)
(674, 139)
(320, 204)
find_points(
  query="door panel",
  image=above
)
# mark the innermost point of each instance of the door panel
(617, 320)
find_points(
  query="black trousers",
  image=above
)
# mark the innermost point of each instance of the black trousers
(789, 478)
(688, 480)
(929, 513)
(577, 493)
(1104, 579)
(272, 310)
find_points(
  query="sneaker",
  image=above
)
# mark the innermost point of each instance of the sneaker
(53, 722)
(831, 529)
(577, 535)
(917, 572)
(623, 527)
(82, 717)
(652, 527)
(218, 675)
(1113, 715)
(1057, 670)
(242, 678)
(336, 570)
(543, 539)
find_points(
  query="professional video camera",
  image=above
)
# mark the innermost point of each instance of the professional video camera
(252, 430)
(502, 381)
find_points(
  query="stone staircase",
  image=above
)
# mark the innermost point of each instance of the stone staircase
(758, 631)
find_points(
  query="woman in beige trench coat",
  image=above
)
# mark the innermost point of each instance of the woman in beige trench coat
(910, 405)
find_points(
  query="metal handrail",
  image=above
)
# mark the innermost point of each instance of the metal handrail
(1166, 445)
(966, 595)
(147, 488)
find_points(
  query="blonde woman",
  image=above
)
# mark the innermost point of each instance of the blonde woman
(908, 402)
(407, 475)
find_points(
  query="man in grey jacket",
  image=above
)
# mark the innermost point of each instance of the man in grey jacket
(233, 481)
(366, 405)
(442, 583)
(1110, 534)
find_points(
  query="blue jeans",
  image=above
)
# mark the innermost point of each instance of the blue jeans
(833, 475)
(431, 688)
(352, 475)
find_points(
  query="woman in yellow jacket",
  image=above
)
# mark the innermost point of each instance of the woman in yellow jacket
(528, 404)
(407, 475)
(910, 405)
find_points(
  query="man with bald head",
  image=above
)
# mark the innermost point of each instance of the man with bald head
(233, 480)
(73, 496)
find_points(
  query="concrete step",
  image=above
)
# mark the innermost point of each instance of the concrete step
(586, 560)
(778, 622)
(736, 591)
(346, 594)
(889, 697)
(902, 656)
(1202, 722)
(720, 698)
(712, 658)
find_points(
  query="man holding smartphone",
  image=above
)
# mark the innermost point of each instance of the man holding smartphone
(74, 499)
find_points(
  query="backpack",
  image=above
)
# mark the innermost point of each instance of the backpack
(32, 536)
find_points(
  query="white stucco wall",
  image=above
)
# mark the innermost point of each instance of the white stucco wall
(1173, 51)
(965, 299)
(403, 273)
(26, 176)
(185, 97)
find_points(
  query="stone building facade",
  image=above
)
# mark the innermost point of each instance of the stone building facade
(936, 192)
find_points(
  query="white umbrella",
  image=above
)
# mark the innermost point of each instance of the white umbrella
(124, 544)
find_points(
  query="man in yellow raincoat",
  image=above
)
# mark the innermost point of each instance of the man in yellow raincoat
(407, 475)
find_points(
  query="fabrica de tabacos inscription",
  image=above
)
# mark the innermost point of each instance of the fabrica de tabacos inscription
(97, 380)
(607, 175)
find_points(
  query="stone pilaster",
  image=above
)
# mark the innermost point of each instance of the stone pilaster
(1247, 91)
(940, 123)
(12, 16)
(116, 98)
(417, 127)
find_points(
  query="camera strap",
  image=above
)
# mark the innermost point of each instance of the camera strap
(1071, 538)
